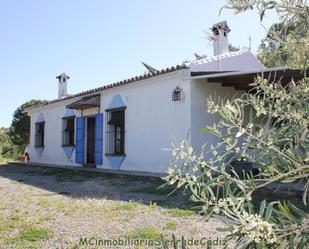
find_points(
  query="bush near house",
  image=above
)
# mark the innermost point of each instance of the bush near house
(13, 140)
(7, 149)
(20, 127)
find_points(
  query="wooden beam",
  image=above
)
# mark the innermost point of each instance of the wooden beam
(232, 79)
(243, 88)
(234, 84)
(243, 81)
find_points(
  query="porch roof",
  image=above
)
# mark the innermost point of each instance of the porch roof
(85, 103)
(242, 80)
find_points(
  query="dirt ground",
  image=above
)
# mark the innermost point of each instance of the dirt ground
(57, 208)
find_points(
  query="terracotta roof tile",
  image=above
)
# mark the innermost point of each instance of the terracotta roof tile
(116, 84)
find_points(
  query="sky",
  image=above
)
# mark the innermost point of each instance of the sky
(97, 42)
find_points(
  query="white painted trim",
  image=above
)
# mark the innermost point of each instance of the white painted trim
(238, 73)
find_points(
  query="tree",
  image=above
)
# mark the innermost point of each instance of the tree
(268, 128)
(271, 50)
(3, 138)
(20, 128)
(283, 40)
(7, 149)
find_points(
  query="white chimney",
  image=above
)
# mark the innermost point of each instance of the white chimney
(220, 39)
(62, 87)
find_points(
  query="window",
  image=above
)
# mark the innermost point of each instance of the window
(39, 134)
(176, 95)
(115, 132)
(68, 131)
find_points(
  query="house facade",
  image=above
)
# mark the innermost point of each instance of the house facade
(128, 125)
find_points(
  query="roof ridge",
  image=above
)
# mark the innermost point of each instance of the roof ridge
(115, 84)
(221, 56)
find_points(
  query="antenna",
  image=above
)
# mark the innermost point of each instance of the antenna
(149, 68)
(250, 40)
(197, 56)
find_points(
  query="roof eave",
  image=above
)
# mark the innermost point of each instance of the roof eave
(114, 85)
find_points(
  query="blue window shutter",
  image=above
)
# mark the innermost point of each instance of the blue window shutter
(99, 139)
(80, 140)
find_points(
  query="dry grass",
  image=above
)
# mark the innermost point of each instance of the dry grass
(41, 208)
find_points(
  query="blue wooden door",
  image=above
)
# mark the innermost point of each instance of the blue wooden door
(80, 140)
(99, 139)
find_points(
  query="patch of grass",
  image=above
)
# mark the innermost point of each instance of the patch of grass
(43, 218)
(193, 231)
(154, 190)
(23, 245)
(129, 206)
(149, 232)
(29, 238)
(177, 212)
(74, 246)
(6, 224)
(60, 204)
(15, 215)
(50, 203)
(118, 217)
(29, 200)
(45, 203)
(34, 234)
(48, 194)
(2, 203)
(171, 225)
(13, 221)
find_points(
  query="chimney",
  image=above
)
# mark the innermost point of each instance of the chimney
(220, 39)
(62, 87)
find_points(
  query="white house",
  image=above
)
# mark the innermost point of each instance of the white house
(126, 125)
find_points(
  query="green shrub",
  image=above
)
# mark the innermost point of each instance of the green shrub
(267, 127)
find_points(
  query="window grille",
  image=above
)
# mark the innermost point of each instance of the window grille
(115, 132)
(68, 131)
(39, 134)
(176, 95)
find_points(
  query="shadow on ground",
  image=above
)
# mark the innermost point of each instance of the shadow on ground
(80, 184)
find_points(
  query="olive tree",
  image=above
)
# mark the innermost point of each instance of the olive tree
(268, 126)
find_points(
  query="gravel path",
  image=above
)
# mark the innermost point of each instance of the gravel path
(49, 208)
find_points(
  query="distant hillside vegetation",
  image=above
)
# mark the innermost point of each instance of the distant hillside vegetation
(4, 130)
(7, 149)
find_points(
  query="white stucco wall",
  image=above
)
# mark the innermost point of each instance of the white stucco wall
(53, 152)
(152, 120)
(201, 90)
